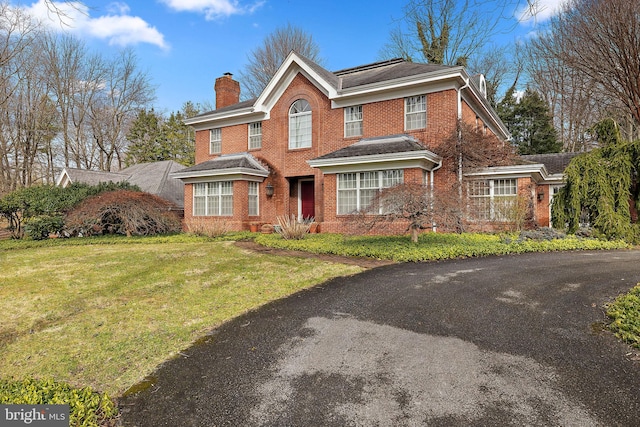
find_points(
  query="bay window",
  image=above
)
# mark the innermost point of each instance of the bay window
(492, 199)
(357, 190)
(213, 198)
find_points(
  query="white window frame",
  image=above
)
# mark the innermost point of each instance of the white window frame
(493, 203)
(215, 141)
(254, 198)
(255, 135)
(300, 125)
(213, 198)
(353, 121)
(358, 187)
(415, 112)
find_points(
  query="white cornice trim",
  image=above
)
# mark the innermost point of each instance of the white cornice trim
(419, 159)
(536, 171)
(222, 174)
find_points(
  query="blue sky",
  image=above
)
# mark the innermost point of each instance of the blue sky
(185, 44)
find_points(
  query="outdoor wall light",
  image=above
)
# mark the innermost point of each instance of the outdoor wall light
(540, 196)
(268, 190)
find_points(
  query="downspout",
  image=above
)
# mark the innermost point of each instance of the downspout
(431, 192)
(466, 85)
(459, 141)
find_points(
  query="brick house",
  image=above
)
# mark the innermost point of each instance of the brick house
(320, 144)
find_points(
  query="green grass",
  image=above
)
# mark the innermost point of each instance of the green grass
(105, 312)
(625, 315)
(431, 246)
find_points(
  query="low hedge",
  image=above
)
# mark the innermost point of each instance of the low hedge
(625, 315)
(87, 407)
(432, 246)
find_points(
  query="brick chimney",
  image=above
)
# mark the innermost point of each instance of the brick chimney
(227, 91)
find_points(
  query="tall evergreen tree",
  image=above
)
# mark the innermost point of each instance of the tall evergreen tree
(530, 123)
(145, 138)
(154, 138)
(179, 140)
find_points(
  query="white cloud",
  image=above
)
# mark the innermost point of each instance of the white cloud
(117, 27)
(212, 9)
(539, 10)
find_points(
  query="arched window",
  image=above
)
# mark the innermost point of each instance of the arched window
(300, 124)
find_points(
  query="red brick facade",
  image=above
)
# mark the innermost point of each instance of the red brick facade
(288, 167)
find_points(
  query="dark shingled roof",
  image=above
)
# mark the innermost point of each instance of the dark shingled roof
(228, 161)
(384, 71)
(154, 178)
(94, 177)
(376, 146)
(554, 162)
(149, 177)
(353, 77)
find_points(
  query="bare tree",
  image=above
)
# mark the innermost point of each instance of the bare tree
(75, 77)
(575, 100)
(448, 32)
(125, 91)
(265, 60)
(601, 41)
(29, 123)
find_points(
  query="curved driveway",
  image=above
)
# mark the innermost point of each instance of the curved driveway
(513, 340)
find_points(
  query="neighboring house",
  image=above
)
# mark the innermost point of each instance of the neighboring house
(152, 178)
(320, 144)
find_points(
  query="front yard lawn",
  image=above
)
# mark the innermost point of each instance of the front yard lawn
(105, 315)
(105, 312)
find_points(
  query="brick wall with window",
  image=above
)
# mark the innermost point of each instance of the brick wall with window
(327, 135)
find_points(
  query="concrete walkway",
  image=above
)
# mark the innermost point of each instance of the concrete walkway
(514, 340)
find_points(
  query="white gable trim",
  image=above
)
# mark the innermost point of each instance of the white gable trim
(64, 180)
(291, 66)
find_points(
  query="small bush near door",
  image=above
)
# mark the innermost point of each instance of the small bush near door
(292, 229)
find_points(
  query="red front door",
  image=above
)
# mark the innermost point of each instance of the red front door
(307, 199)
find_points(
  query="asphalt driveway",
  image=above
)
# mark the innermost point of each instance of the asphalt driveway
(513, 340)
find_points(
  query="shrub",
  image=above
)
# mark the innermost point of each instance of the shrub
(86, 407)
(625, 315)
(122, 212)
(544, 233)
(207, 227)
(45, 205)
(39, 227)
(292, 229)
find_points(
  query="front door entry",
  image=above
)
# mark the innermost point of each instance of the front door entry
(307, 199)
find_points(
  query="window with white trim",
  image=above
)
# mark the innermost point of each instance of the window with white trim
(300, 124)
(353, 121)
(415, 112)
(492, 199)
(253, 198)
(357, 190)
(215, 141)
(255, 135)
(213, 198)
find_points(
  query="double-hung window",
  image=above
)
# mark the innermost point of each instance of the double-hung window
(415, 112)
(357, 190)
(353, 121)
(215, 141)
(492, 199)
(300, 124)
(213, 198)
(255, 135)
(253, 198)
